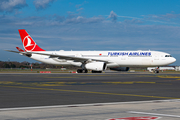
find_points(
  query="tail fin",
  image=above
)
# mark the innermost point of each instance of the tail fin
(28, 43)
(19, 49)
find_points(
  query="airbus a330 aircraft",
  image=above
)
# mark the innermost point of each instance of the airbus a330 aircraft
(97, 61)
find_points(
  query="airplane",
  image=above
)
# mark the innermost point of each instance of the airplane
(96, 61)
(151, 69)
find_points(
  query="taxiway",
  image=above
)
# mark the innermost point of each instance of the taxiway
(36, 91)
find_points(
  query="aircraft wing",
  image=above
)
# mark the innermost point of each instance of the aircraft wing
(76, 59)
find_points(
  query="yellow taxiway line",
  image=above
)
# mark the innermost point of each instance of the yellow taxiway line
(91, 92)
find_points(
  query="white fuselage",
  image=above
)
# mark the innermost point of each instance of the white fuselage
(114, 58)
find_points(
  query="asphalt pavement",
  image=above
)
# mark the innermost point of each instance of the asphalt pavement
(34, 92)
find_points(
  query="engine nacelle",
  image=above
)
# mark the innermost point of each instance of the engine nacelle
(120, 68)
(96, 66)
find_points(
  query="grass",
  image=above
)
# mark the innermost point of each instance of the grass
(14, 70)
(34, 70)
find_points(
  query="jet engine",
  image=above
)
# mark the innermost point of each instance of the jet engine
(96, 66)
(120, 68)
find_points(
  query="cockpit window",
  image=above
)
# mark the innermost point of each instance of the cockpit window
(168, 56)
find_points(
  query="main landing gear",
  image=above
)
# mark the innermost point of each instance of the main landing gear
(82, 71)
(86, 71)
(156, 70)
(96, 71)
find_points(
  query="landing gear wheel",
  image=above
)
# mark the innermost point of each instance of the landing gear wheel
(85, 71)
(79, 70)
(156, 71)
(82, 71)
(96, 71)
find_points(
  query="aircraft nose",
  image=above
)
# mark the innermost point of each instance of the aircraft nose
(173, 59)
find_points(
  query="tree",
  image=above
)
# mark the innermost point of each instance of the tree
(6, 65)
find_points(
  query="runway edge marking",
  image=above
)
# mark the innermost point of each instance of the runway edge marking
(84, 105)
(156, 114)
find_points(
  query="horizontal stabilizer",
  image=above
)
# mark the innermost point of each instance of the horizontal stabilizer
(12, 51)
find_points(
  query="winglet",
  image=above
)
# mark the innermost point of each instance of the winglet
(28, 43)
(19, 49)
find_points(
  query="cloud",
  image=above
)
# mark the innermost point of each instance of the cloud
(72, 18)
(171, 15)
(72, 15)
(79, 5)
(42, 4)
(50, 20)
(113, 16)
(80, 9)
(80, 19)
(168, 18)
(133, 21)
(11, 5)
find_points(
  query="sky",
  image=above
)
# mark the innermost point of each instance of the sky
(91, 25)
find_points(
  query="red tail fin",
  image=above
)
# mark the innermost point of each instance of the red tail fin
(19, 49)
(28, 43)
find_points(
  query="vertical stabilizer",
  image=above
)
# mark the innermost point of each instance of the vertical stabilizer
(28, 43)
